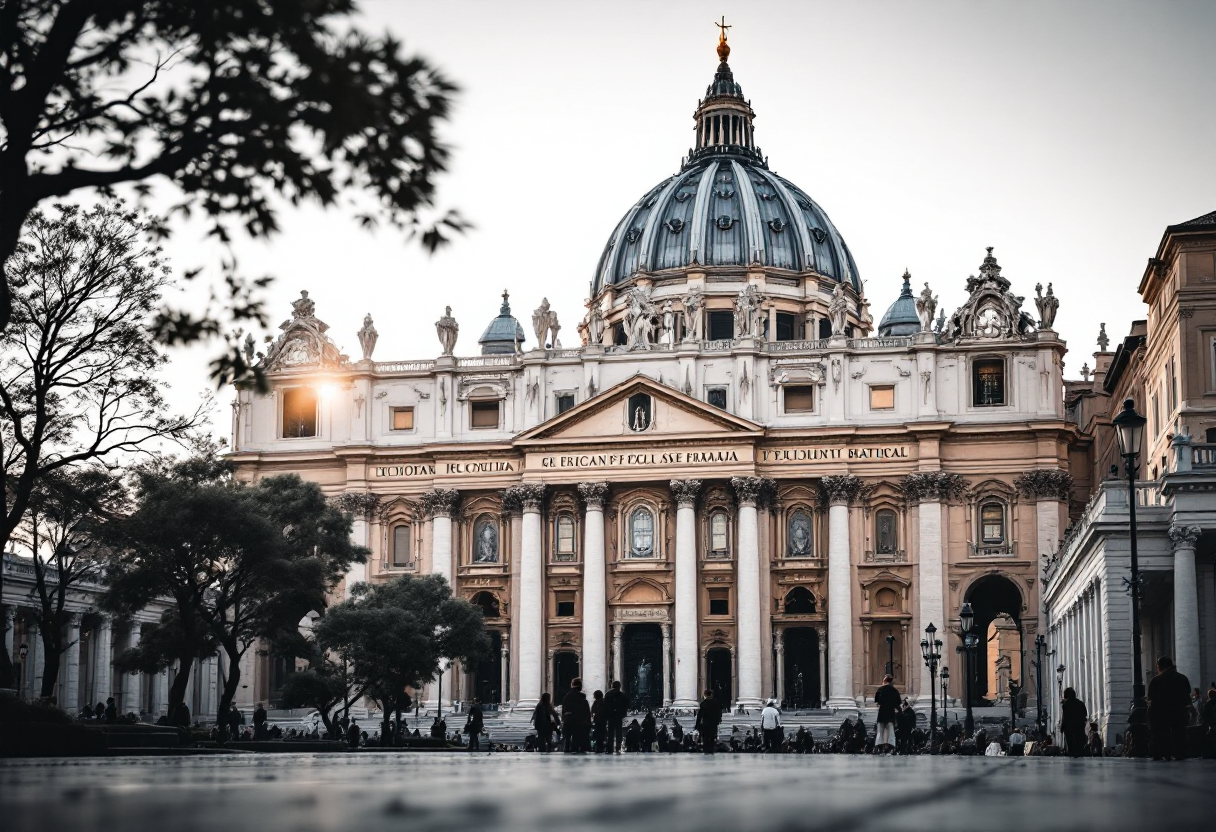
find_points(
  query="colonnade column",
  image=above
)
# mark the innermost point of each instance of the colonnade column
(37, 656)
(131, 681)
(71, 670)
(687, 642)
(929, 580)
(505, 689)
(840, 490)
(595, 589)
(531, 617)
(101, 655)
(823, 667)
(779, 660)
(441, 504)
(1186, 602)
(667, 690)
(748, 491)
(618, 661)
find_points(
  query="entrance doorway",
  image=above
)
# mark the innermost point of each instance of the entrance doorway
(487, 675)
(718, 674)
(801, 667)
(997, 604)
(642, 663)
(565, 670)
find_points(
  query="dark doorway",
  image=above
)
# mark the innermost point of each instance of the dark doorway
(642, 659)
(565, 670)
(993, 597)
(801, 667)
(799, 601)
(718, 675)
(487, 675)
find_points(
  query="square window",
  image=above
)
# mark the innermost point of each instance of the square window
(989, 383)
(565, 604)
(299, 413)
(882, 397)
(565, 401)
(721, 326)
(716, 396)
(484, 414)
(800, 399)
(403, 418)
(719, 602)
(786, 326)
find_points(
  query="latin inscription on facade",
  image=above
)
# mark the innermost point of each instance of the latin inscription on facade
(834, 454)
(642, 459)
(446, 469)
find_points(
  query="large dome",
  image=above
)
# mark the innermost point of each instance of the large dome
(725, 207)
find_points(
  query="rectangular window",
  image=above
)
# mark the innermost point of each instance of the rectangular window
(565, 401)
(401, 545)
(1155, 427)
(825, 329)
(1173, 387)
(299, 413)
(716, 396)
(882, 397)
(484, 414)
(721, 326)
(403, 418)
(565, 604)
(565, 537)
(992, 522)
(719, 533)
(799, 399)
(786, 325)
(719, 602)
(988, 382)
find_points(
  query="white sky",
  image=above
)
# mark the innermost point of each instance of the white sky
(1067, 135)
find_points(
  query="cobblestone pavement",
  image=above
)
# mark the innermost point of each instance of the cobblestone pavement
(744, 793)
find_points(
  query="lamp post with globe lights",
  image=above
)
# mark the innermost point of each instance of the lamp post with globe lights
(1129, 430)
(931, 651)
(966, 617)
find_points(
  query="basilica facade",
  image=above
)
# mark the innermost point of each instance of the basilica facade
(732, 479)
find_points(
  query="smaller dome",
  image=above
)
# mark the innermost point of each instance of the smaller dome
(504, 334)
(901, 318)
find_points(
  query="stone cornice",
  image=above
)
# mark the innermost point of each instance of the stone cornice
(593, 493)
(1049, 483)
(685, 492)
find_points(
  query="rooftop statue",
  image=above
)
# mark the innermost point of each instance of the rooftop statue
(447, 329)
(368, 337)
(1047, 304)
(639, 319)
(693, 301)
(926, 307)
(545, 325)
(838, 310)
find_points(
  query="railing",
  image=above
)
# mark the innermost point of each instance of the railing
(878, 343)
(404, 366)
(408, 566)
(796, 346)
(487, 361)
(1001, 550)
(571, 353)
(1203, 456)
(1148, 495)
(900, 556)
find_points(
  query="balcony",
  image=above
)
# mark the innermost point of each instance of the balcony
(1203, 456)
(992, 550)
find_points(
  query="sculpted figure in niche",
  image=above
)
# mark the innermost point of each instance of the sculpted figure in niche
(926, 306)
(639, 319)
(486, 543)
(595, 325)
(693, 301)
(800, 534)
(643, 682)
(669, 324)
(839, 310)
(747, 313)
(447, 329)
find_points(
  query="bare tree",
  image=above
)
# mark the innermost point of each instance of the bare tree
(79, 364)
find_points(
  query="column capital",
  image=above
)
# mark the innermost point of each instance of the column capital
(440, 502)
(933, 486)
(74, 618)
(1184, 537)
(1045, 484)
(593, 494)
(528, 496)
(685, 492)
(841, 490)
(759, 492)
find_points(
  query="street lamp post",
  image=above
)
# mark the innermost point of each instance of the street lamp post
(891, 656)
(1129, 429)
(1040, 644)
(945, 677)
(966, 617)
(931, 651)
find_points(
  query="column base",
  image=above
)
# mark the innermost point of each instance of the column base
(684, 703)
(842, 703)
(528, 704)
(749, 702)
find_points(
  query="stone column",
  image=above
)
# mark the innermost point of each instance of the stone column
(667, 688)
(687, 640)
(747, 571)
(595, 588)
(131, 681)
(929, 580)
(823, 667)
(441, 504)
(531, 614)
(779, 659)
(10, 618)
(101, 655)
(37, 659)
(70, 684)
(840, 491)
(505, 652)
(161, 690)
(357, 572)
(1186, 602)
(618, 661)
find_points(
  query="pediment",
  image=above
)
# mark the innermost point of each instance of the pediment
(610, 416)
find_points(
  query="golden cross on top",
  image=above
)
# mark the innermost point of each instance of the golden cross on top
(723, 27)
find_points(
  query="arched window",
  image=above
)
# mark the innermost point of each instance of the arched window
(564, 545)
(799, 540)
(719, 535)
(886, 533)
(488, 603)
(988, 382)
(799, 601)
(641, 533)
(401, 546)
(992, 522)
(485, 541)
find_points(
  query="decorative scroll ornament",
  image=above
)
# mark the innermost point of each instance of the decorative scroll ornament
(356, 503)
(1184, 537)
(440, 502)
(926, 306)
(933, 485)
(632, 236)
(991, 310)
(1047, 305)
(593, 493)
(685, 492)
(843, 489)
(1051, 483)
(758, 491)
(818, 233)
(303, 342)
(447, 329)
(368, 337)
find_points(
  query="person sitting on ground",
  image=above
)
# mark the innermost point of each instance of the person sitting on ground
(648, 731)
(1017, 743)
(677, 731)
(1097, 748)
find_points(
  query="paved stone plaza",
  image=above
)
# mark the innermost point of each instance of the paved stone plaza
(745, 793)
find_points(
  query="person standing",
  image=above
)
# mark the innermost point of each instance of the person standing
(544, 719)
(599, 722)
(1169, 700)
(709, 716)
(905, 725)
(1208, 720)
(1073, 720)
(259, 723)
(888, 700)
(770, 724)
(617, 705)
(353, 734)
(576, 717)
(474, 725)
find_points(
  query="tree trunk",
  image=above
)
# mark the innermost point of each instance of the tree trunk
(231, 684)
(181, 681)
(386, 705)
(52, 646)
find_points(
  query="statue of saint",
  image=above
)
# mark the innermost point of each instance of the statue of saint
(639, 319)
(448, 329)
(800, 535)
(693, 301)
(303, 308)
(541, 323)
(487, 544)
(1047, 304)
(926, 307)
(669, 324)
(644, 679)
(747, 313)
(839, 310)
(368, 337)
(595, 325)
